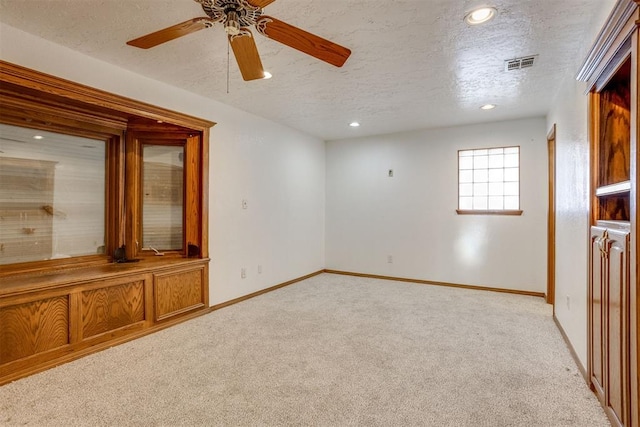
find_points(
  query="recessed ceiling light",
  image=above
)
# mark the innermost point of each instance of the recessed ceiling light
(488, 107)
(354, 124)
(480, 15)
(267, 75)
(38, 137)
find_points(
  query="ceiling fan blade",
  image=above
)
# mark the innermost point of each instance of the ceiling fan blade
(246, 53)
(303, 41)
(171, 33)
(260, 3)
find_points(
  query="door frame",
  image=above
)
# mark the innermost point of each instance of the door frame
(551, 219)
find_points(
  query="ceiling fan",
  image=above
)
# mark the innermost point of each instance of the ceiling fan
(237, 16)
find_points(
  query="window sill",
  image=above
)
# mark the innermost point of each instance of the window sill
(489, 212)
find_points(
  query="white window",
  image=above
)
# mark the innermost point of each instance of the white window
(52, 195)
(489, 180)
(163, 199)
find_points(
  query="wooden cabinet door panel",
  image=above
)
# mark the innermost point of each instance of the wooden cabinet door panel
(34, 327)
(109, 308)
(178, 292)
(617, 321)
(596, 286)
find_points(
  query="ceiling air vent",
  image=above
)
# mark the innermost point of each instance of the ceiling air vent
(519, 63)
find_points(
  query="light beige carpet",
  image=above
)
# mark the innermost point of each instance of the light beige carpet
(330, 351)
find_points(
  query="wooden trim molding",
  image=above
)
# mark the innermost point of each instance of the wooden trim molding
(263, 291)
(372, 276)
(431, 282)
(27, 78)
(23, 109)
(634, 279)
(489, 212)
(572, 350)
(614, 30)
(551, 218)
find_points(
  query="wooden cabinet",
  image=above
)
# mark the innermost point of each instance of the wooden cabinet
(177, 292)
(611, 73)
(47, 319)
(56, 310)
(609, 293)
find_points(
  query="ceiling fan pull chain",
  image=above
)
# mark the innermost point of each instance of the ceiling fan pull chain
(228, 47)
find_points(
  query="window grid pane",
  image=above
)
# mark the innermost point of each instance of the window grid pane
(489, 179)
(465, 163)
(466, 177)
(466, 190)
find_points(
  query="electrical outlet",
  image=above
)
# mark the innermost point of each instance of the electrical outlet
(243, 273)
(390, 259)
(568, 302)
(245, 204)
(259, 269)
(390, 173)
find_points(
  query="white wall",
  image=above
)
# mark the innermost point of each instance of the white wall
(572, 196)
(280, 172)
(412, 216)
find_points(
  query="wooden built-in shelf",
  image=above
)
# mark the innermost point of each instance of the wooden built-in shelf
(613, 189)
(615, 225)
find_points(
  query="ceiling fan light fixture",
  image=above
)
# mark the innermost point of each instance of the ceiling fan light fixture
(480, 15)
(267, 75)
(354, 124)
(232, 26)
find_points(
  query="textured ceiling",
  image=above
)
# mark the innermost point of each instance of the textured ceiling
(415, 63)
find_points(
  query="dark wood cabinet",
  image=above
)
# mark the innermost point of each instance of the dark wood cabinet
(609, 295)
(611, 73)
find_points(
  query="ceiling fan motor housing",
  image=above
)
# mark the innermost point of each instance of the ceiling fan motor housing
(231, 10)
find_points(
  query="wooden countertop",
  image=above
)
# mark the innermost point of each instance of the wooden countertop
(44, 280)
